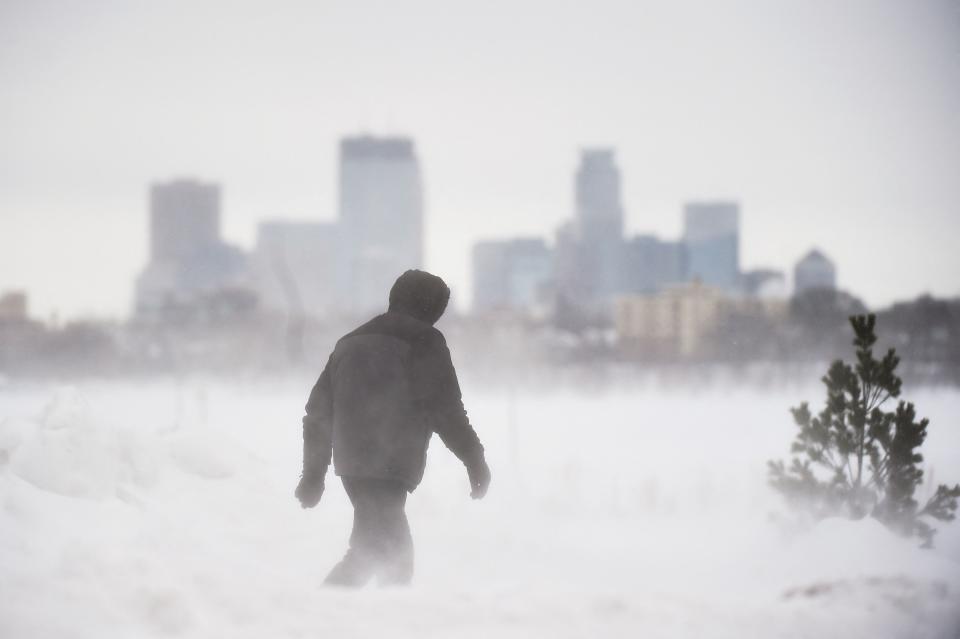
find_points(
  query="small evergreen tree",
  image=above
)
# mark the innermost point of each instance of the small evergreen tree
(855, 459)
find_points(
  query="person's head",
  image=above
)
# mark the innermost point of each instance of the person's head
(420, 294)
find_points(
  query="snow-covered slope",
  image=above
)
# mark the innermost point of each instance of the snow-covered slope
(167, 510)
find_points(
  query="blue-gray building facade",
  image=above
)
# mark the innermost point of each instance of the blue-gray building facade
(512, 274)
(381, 216)
(711, 235)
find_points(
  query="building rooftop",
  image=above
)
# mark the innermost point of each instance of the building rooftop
(815, 256)
(368, 146)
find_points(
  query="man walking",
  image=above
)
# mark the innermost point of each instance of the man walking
(387, 387)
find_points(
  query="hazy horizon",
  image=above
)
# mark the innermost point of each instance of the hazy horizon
(833, 124)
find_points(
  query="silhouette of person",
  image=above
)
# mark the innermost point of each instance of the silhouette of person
(387, 387)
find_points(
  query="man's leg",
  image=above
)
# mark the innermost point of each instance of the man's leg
(396, 564)
(359, 563)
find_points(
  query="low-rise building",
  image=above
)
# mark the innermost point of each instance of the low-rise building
(13, 306)
(511, 275)
(814, 271)
(678, 320)
(766, 283)
(671, 322)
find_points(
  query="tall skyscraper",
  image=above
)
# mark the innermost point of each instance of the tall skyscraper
(184, 218)
(711, 234)
(599, 209)
(814, 270)
(187, 256)
(599, 224)
(381, 213)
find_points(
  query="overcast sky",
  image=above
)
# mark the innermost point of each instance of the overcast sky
(835, 124)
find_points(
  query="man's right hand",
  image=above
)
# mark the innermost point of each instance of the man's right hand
(309, 491)
(479, 474)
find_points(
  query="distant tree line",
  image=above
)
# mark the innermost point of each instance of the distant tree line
(230, 332)
(925, 332)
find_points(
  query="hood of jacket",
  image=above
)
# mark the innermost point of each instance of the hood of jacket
(421, 295)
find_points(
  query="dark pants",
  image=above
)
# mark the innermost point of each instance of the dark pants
(380, 543)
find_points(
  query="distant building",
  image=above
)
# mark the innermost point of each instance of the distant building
(678, 320)
(599, 224)
(571, 282)
(184, 219)
(599, 211)
(297, 267)
(650, 264)
(381, 213)
(188, 258)
(511, 274)
(672, 322)
(14, 306)
(814, 270)
(712, 237)
(764, 282)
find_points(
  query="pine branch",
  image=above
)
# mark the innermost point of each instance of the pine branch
(849, 471)
(943, 504)
(886, 396)
(880, 473)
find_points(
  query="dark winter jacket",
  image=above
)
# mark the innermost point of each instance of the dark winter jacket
(387, 387)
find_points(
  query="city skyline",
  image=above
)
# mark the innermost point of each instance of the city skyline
(323, 269)
(836, 127)
(551, 238)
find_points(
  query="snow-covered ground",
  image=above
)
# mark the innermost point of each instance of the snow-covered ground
(167, 509)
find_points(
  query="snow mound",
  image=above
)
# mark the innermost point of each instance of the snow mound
(68, 451)
(203, 453)
(866, 536)
(839, 548)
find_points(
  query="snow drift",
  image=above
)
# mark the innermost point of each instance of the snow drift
(167, 510)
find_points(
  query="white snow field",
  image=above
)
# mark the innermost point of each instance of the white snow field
(167, 509)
